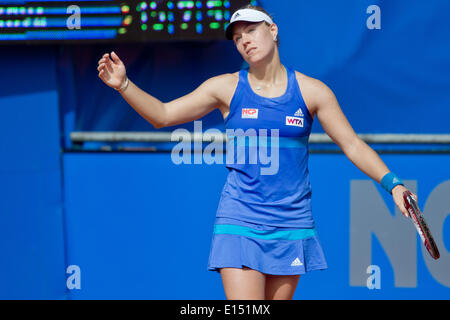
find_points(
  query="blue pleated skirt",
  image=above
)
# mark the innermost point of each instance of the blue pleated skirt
(270, 250)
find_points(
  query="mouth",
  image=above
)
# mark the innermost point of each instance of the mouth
(250, 50)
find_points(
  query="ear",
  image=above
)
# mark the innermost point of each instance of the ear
(274, 31)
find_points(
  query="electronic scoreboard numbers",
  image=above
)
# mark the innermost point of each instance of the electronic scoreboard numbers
(114, 21)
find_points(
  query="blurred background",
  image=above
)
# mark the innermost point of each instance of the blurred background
(92, 205)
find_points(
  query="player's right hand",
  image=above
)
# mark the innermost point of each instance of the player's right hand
(112, 70)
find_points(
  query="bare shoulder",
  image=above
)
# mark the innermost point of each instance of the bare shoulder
(313, 91)
(224, 82)
(223, 87)
(309, 82)
(226, 78)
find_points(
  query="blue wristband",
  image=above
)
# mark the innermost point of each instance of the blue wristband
(389, 181)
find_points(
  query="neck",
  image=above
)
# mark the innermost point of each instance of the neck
(268, 72)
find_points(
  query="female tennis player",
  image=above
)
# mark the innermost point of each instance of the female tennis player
(264, 234)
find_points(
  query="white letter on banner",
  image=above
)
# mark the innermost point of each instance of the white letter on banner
(436, 210)
(396, 234)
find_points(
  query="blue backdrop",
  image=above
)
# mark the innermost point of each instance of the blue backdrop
(396, 74)
(140, 227)
(31, 207)
(134, 222)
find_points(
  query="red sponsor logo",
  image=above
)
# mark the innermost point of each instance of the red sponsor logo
(249, 113)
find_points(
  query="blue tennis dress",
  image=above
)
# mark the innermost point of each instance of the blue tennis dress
(264, 219)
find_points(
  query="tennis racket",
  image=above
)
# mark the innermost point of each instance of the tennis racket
(420, 224)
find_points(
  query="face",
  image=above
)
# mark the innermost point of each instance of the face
(254, 41)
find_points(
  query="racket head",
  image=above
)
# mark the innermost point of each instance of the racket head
(419, 221)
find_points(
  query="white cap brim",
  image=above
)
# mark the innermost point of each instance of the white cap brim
(247, 15)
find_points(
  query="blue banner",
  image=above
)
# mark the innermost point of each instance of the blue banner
(140, 227)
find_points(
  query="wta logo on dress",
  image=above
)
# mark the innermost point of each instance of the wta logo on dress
(294, 121)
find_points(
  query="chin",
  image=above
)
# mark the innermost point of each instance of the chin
(254, 60)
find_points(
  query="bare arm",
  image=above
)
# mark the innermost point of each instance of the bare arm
(192, 106)
(336, 125)
(341, 132)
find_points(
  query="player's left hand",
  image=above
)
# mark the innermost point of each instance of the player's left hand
(397, 194)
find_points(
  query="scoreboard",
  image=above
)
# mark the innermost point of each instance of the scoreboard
(50, 21)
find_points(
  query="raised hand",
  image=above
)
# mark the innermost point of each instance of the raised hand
(112, 70)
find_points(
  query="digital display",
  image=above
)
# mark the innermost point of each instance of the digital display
(114, 21)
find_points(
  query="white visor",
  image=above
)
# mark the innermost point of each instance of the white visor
(248, 15)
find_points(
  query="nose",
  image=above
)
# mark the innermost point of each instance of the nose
(245, 39)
